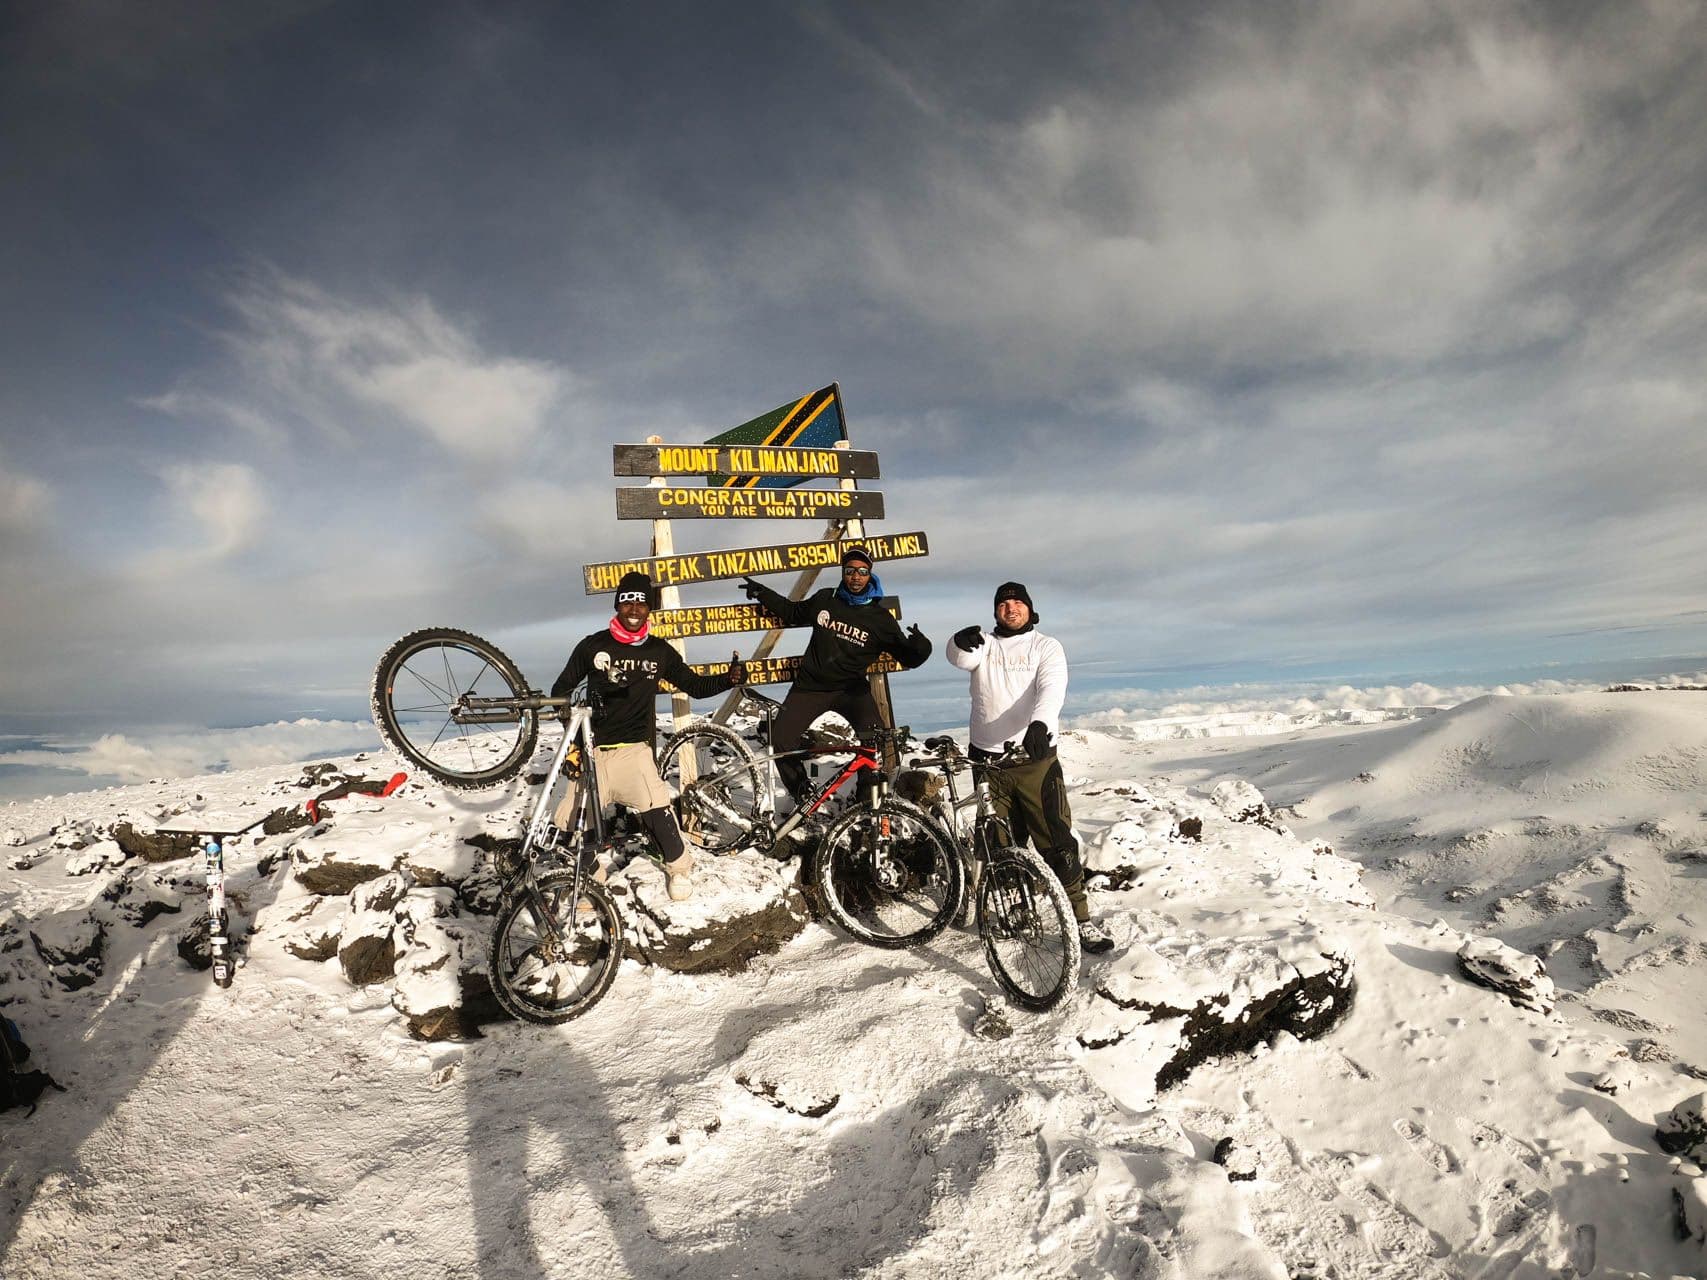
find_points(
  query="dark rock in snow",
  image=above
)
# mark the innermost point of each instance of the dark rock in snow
(798, 1101)
(366, 949)
(1304, 996)
(72, 947)
(330, 872)
(1682, 1131)
(1242, 802)
(743, 907)
(1518, 976)
(156, 846)
(1191, 828)
(138, 898)
(193, 943)
(310, 929)
(992, 1024)
(1239, 1162)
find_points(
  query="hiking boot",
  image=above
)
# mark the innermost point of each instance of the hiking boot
(1093, 938)
(676, 880)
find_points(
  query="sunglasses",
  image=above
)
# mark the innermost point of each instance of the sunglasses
(852, 572)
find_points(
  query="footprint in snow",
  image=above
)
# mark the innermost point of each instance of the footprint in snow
(1440, 1157)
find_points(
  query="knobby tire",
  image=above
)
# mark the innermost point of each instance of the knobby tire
(905, 899)
(414, 687)
(549, 963)
(1031, 940)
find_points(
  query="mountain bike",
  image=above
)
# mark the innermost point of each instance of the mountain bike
(455, 706)
(557, 941)
(1025, 919)
(883, 869)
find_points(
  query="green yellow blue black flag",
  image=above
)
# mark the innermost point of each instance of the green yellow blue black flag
(812, 422)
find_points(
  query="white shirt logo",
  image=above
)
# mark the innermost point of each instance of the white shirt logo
(601, 661)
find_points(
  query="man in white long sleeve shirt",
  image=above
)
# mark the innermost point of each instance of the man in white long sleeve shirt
(1019, 681)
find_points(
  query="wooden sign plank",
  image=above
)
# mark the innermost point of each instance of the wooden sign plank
(711, 566)
(728, 619)
(774, 670)
(696, 502)
(742, 460)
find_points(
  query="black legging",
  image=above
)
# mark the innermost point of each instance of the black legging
(799, 709)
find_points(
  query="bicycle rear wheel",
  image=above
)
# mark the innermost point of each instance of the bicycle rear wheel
(1030, 937)
(549, 962)
(416, 690)
(888, 876)
(718, 807)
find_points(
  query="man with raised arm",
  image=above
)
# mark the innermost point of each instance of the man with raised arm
(622, 666)
(849, 631)
(1019, 681)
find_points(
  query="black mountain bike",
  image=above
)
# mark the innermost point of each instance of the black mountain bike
(883, 869)
(1025, 918)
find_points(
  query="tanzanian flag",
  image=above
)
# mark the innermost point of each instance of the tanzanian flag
(811, 422)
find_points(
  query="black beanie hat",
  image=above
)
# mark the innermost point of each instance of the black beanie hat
(1016, 591)
(634, 582)
(856, 553)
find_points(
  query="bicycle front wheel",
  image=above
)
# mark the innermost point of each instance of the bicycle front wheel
(1030, 937)
(418, 690)
(710, 772)
(888, 876)
(549, 961)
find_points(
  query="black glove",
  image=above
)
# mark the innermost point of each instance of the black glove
(919, 641)
(1036, 741)
(968, 639)
(752, 590)
(737, 672)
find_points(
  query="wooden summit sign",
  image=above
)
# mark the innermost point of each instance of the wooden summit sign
(648, 502)
(740, 562)
(729, 619)
(775, 670)
(742, 460)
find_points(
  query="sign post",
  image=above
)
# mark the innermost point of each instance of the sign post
(663, 544)
(752, 472)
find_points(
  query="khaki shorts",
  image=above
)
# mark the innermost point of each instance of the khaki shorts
(627, 775)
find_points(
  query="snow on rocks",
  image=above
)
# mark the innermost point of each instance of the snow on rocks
(330, 862)
(1520, 977)
(307, 928)
(366, 951)
(742, 907)
(12, 837)
(1197, 998)
(1683, 1129)
(71, 944)
(1689, 1200)
(102, 855)
(1241, 802)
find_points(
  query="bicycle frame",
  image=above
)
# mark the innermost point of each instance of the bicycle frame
(589, 829)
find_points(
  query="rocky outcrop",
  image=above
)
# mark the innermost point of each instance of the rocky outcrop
(72, 946)
(1226, 997)
(1682, 1131)
(1518, 976)
(366, 950)
(743, 907)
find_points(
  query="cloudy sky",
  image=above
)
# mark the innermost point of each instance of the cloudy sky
(1339, 340)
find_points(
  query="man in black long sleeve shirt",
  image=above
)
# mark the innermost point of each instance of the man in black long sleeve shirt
(848, 633)
(622, 666)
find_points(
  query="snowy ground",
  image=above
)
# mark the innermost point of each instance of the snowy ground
(830, 1111)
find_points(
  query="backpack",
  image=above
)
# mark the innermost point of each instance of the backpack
(19, 1088)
